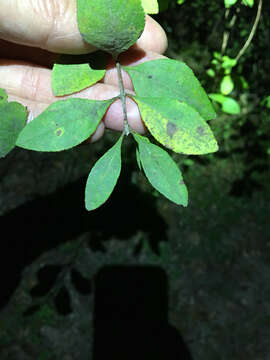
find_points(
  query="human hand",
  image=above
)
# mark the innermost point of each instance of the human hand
(34, 32)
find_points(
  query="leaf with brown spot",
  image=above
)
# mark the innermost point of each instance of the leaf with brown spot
(171, 79)
(176, 125)
(63, 125)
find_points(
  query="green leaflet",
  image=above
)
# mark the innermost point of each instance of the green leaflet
(68, 79)
(13, 118)
(63, 124)
(110, 25)
(103, 177)
(171, 79)
(177, 125)
(162, 172)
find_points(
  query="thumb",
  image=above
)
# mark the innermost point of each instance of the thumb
(47, 24)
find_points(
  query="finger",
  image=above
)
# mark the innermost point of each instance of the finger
(153, 38)
(52, 25)
(48, 24)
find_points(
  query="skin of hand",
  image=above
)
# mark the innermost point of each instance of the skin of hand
(33, 33)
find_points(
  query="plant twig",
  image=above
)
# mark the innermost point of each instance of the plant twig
(226, 34)
(122, 97)
(253, 31)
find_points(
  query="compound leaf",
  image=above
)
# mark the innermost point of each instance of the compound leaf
(177, 125)
(103, 177)
(162, 172)
(63, 124)
(68, 79)
(172, 79)
(111, 25)
(13, 118)
(150, 6)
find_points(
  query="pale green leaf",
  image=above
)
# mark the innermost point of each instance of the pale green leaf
(68, 79)
(150, 6)
(63, 124)
(226, 85)
(177, 125)
(162, 172)
(111, 25)
(103, 177)
(172, 79)
(13, 118)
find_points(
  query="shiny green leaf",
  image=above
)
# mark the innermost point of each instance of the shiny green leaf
(229, 3)
(171, 79)
(162, 172)
(68, 79)
(13, 118)
(231, 106)
(226, 85)
(63, 124)
(103, 177)
(211, 73)
(111, 25)
(177, 125)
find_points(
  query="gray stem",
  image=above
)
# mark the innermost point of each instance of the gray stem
(122, 97)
